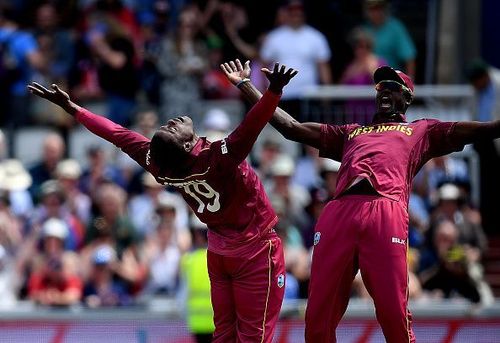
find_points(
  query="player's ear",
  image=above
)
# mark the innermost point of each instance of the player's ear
(408, 98)
(187, 146)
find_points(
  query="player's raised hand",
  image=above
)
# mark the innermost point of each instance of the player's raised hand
(279, 77)
(54, 95)
(235, 71)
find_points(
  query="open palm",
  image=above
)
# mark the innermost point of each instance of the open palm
(235, 71)
(55, 95)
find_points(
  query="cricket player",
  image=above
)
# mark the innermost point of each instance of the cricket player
(365, 226)
(245, 256)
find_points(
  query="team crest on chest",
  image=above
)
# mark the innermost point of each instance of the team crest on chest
(281, 280)
(317, 237)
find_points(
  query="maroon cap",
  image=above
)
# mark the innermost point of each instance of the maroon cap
(388, 73)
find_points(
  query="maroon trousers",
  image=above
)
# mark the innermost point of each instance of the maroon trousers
(247, 292)
(370, 233)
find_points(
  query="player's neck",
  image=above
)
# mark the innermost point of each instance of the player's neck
(380, 118)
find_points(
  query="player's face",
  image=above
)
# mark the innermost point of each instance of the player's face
(177, 131)
(390, 100)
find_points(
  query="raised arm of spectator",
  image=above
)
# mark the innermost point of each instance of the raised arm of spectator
(307, 133)
(132, 143)
(241, 140)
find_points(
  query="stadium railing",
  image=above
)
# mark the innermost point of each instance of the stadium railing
(160, 320)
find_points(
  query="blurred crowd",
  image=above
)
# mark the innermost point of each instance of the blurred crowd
(101, 232)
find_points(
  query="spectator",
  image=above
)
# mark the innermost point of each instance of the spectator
(360, 72)
(54, 285)
(113, 227)
(62, 44)
(307, 169)
(117, 71)
(392, 41)
(154, 27)
(271, 149)
(319, 197)
(44, 170)
(298, 45)
(329, 172)
(216, 124)
(15, 181)
(146, 124)
(182, 62)
(486, 82)
(68, 174)
(57, 48)
(162, 256)
(215, 85)
(196, 285)
(143, 207)
(112, 220)
(9, 280)
(445, 267)
(470, 234)
(46, 241)
(10, 226)
(102, 289)
(53, 205)
(99, 172)
(20, 58)
(297, 260)
(295, 197)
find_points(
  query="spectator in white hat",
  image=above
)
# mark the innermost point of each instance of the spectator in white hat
(470, 234)
(68, 174)
(295, 197)
(16, 180)
(216, 124)
(53, 204)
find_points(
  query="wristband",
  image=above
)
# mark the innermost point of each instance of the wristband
(242, 82)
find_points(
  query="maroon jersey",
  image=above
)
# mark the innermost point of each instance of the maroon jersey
(221, 187)
(388, 155)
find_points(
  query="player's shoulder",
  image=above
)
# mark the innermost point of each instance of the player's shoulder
(425, 123)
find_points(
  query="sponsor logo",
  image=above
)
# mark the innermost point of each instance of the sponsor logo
(281, 280)
(223, 147)
(398, 240)
(317, 237)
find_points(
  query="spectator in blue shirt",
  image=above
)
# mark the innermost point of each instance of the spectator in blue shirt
(392, 41)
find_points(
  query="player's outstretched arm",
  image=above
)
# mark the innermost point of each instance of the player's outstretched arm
(307, 133)
(241, 140)
(467, 132)
(129, 141)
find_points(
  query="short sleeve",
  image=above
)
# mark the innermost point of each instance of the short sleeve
(440, 139)
(323, 52)
(332, 141)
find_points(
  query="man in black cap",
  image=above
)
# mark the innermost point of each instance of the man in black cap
(365, 226)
